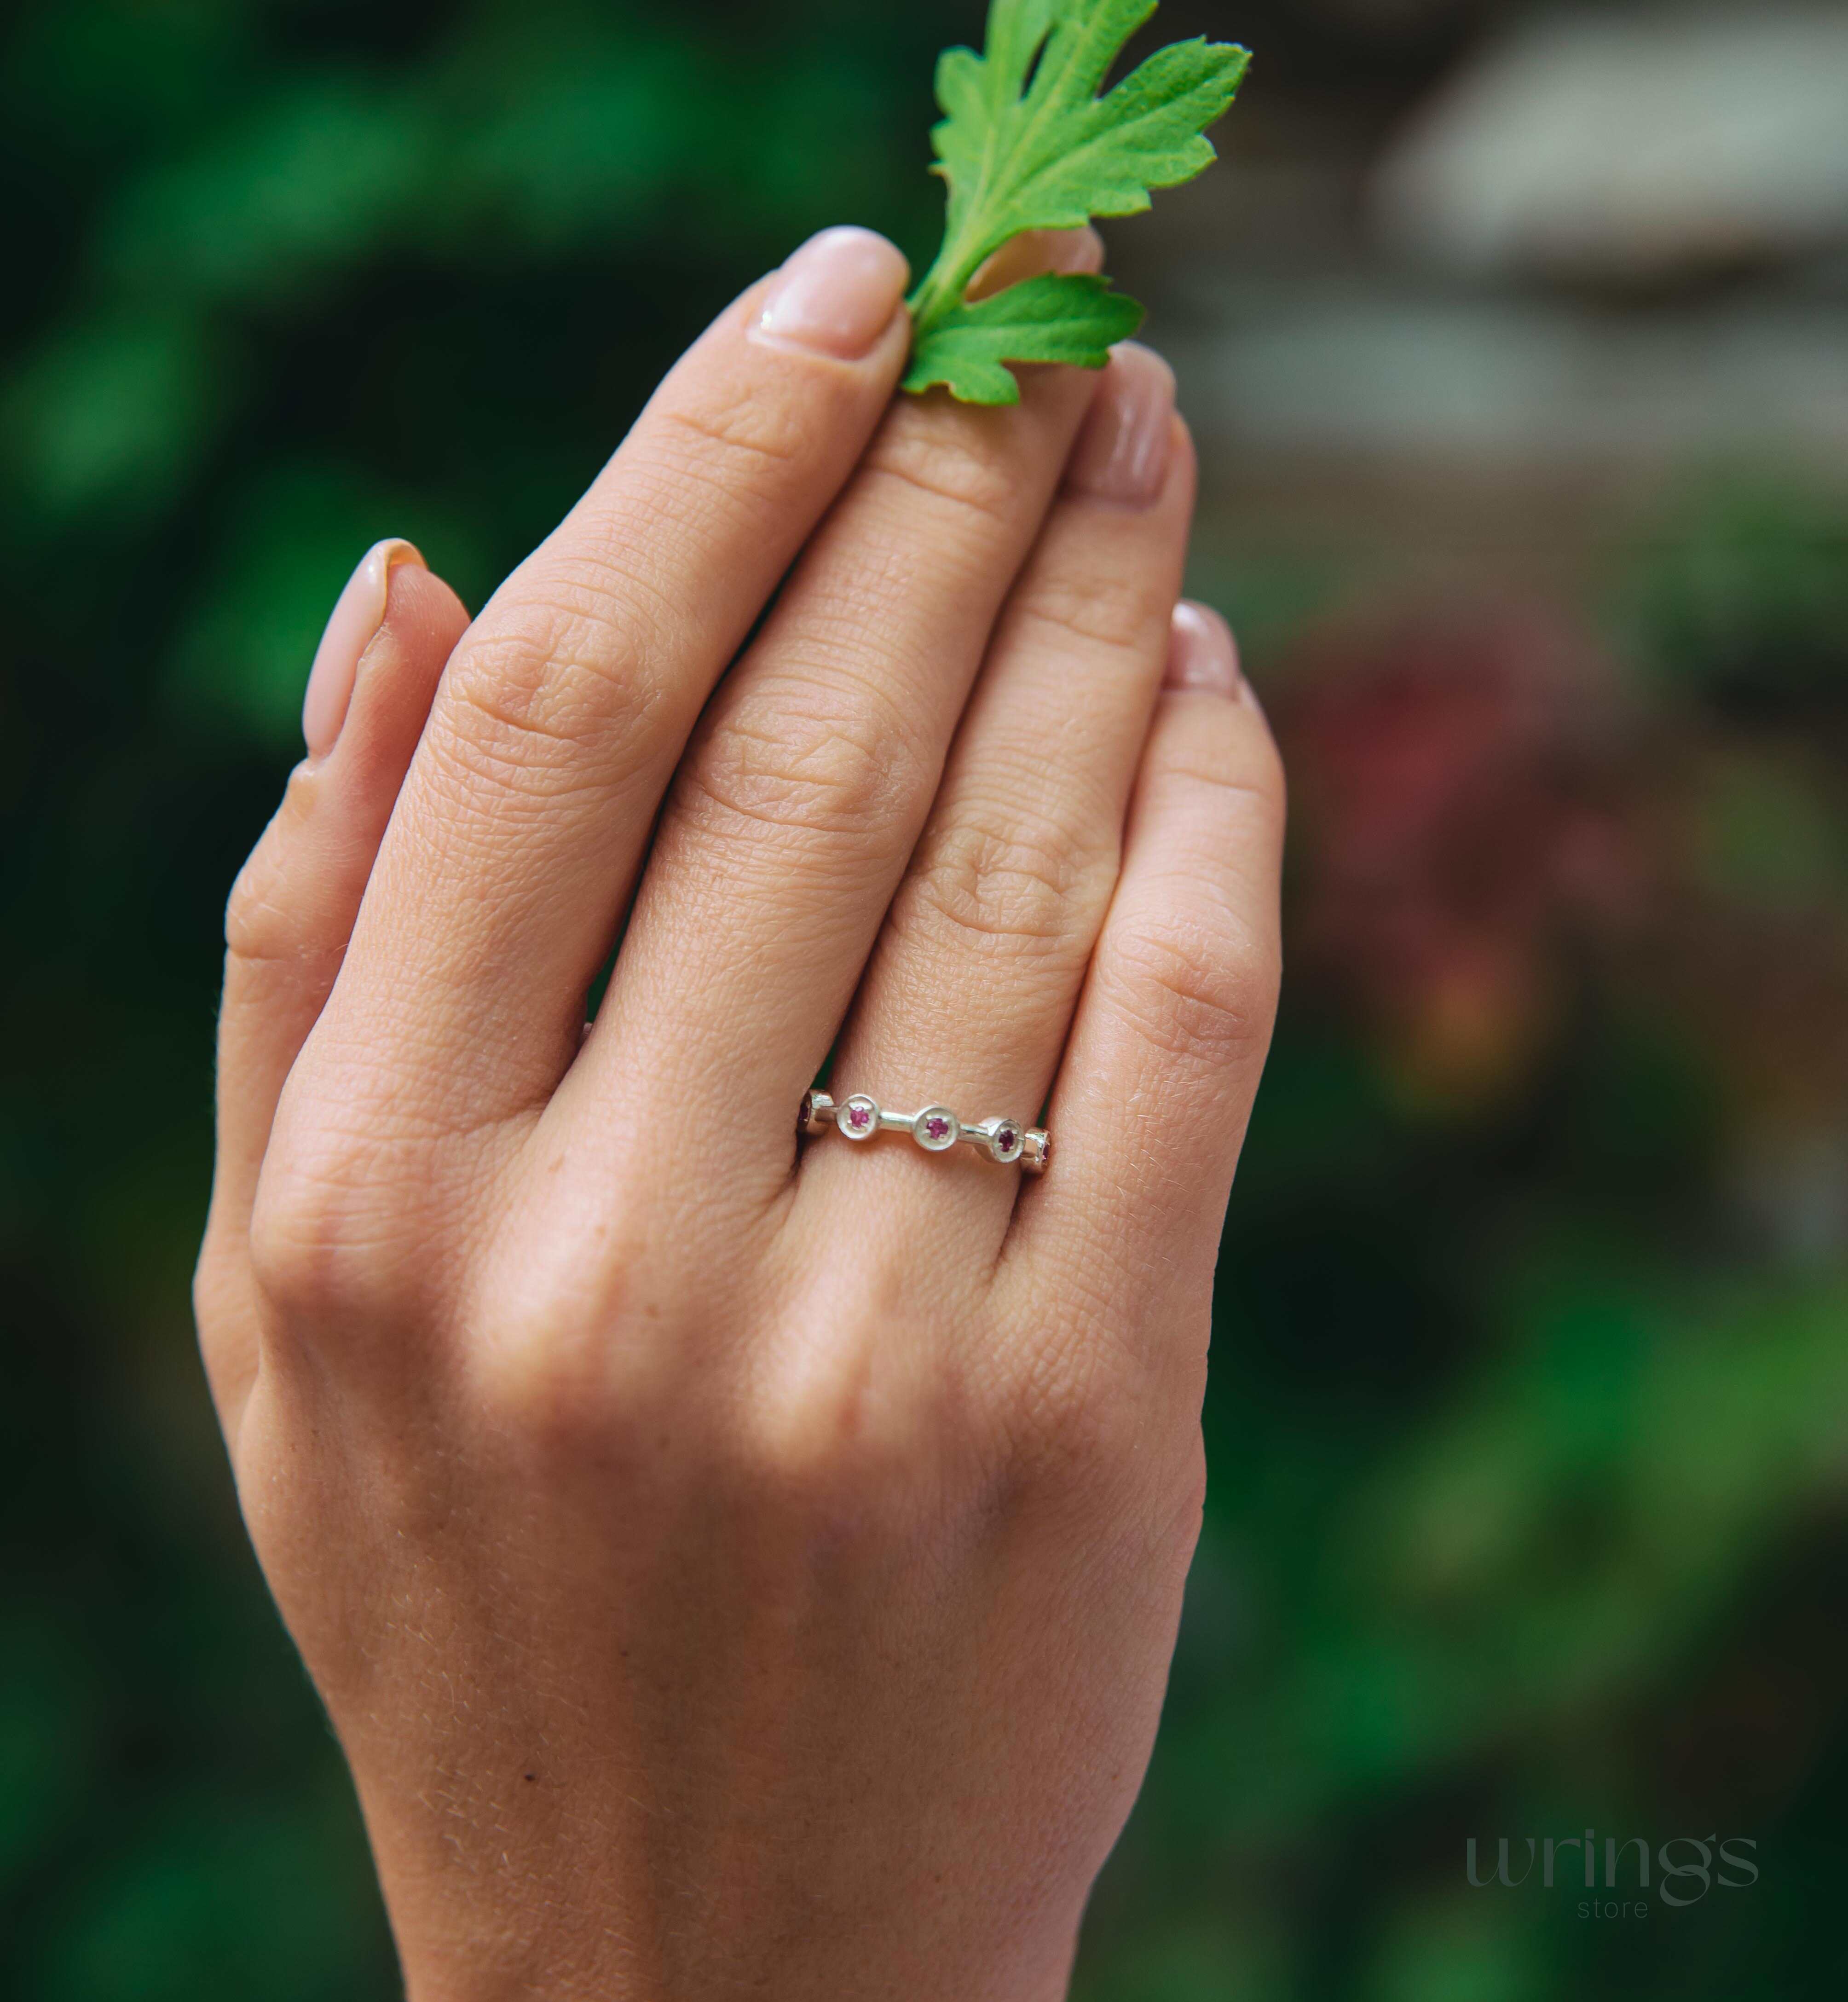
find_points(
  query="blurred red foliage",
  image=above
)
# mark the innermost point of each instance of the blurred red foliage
(1487, 820)
(1458, 822)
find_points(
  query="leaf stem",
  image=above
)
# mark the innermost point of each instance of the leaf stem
(945, 285)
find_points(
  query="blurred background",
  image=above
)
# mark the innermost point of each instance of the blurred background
(1517, 342)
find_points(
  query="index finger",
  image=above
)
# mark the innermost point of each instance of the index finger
(562, 713)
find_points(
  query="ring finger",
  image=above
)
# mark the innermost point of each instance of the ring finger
(972, 987)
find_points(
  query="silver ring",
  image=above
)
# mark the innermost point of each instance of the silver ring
(936, 1129)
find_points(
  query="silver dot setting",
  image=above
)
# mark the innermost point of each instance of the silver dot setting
(936, 1129)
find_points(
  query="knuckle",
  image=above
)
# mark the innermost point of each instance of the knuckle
(568, 1366)
(326, 1242)
(555, 1375)
(1190, 1476)
(264, 914)
(1098, 608)
(216, 1290)
(1203, 993)
(1252, 791)
(738, 436)
(809, 1435)
(1270, 782)
(226, 1316)
(1005, 883)
(860, 1432)
(550, 683)
(835, 1448)
(258, 926)
(805, 762)
(1078, 1414)
(965, 475)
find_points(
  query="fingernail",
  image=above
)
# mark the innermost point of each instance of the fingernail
(1123, 451)
(358, 616)
(1202, 654)
(837, 295)
(1034, 253)
(1071, 249)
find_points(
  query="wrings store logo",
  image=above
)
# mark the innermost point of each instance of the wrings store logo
(1681, 1872)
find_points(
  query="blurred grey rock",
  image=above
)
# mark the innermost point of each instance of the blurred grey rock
(1347, 367)
(1631, 146)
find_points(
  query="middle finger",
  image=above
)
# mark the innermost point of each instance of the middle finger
(803, 792)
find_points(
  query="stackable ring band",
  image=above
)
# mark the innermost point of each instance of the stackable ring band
(935, 1129)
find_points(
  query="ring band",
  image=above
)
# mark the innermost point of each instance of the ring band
(935, 1129)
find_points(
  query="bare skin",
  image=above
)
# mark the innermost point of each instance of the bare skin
(731, 1566)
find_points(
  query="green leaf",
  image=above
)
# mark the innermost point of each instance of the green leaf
(1027, 143)
(1058, 317)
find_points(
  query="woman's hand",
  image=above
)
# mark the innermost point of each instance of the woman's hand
(734, 1566)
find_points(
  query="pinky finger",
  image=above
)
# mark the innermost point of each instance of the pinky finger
(1163, 1065)
(292, 911)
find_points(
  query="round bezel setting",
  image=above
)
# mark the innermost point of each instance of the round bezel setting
(858, 1117)
(936, 1129)
(1007, 1139)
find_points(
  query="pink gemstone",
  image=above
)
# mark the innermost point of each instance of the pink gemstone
(859, 1117)
(936, 1128)
(1005, 1139)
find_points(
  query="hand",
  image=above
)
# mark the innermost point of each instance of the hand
(733, 1566)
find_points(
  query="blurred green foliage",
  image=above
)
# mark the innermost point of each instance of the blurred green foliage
(1530, 1420)
(1743, 590)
